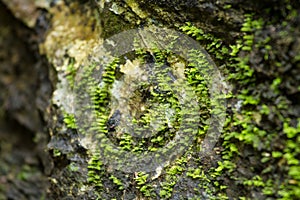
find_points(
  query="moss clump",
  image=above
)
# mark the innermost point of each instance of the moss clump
(154, 99)
(69, 120)
(95, 172)
(247, 125)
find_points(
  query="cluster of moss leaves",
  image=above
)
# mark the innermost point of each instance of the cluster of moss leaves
(260, 143)
(261, 140)
(159, 93)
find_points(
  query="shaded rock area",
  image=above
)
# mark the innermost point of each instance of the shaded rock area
(25, 90)
(44, 154)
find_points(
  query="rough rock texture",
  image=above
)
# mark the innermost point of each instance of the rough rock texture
(25, 91)
(255, 46)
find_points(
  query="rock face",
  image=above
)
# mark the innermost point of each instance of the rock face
(204, 104)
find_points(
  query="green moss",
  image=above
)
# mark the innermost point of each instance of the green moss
(117, 182)
(95, 172)
(172, 176)
(244, 125)
(71, 72)
(197, 174)
(289, 189)
(211, 43)
(256, 181)
(56, 153)
(157, 91)
(70, 121)
(239, 66)
(227, 6)
(145, 188)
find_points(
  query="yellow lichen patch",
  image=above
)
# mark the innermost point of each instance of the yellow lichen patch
(74, 32)
(73, 35)
(136, 9)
